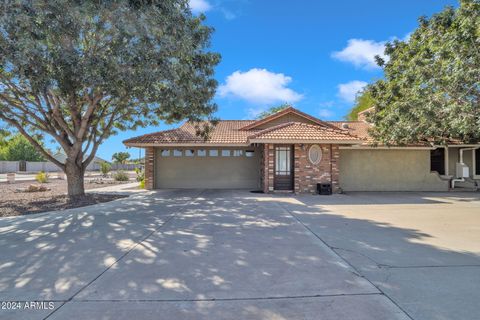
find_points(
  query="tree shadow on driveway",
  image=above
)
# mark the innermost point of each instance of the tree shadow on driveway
(194, 254)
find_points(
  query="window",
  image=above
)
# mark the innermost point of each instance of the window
(249, 153)
(213, 153)
(282, 161)
(201, 152)
(437, 160)
(237, 153)
(189, 153)
(315, 154)
(165, 153)
(225, 153)
(177, 153)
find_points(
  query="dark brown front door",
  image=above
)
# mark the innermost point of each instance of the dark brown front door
(283, 179)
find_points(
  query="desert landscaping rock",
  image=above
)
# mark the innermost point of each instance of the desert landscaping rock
(26, 198)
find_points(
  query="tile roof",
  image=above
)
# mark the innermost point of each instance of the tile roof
(231, 132)
(225, 132)
(303, 132)
(289, 110)
(356, 128)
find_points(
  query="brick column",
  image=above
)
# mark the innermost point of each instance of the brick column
(271, 166)
(267, 167)
(297, 168)
(149, 167)
(335, 168)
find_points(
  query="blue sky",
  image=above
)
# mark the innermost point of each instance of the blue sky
(313, 54)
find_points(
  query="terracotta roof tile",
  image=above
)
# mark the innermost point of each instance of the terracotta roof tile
(303, 131)
(356, 128)
(229, 132)
(225, 132)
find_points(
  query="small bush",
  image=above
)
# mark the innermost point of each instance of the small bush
(42, 177)
(140, 174)
(142, 184)
(120, 176)
(105, 168)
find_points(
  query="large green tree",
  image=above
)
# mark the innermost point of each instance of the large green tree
(19, 148)
(79, 71)
(120, 157)
(431, 89)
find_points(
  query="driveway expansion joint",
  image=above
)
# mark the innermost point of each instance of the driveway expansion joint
(233, 299)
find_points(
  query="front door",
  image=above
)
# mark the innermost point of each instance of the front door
(283, 179)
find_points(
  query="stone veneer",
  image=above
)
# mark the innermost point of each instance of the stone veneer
(306, 175)
(149, 167)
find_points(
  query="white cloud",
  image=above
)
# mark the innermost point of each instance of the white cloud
(327, 104)
(199, 6)
(259, 86)
(227, 14)
(348, 91)
(325, 113)
(361, 53)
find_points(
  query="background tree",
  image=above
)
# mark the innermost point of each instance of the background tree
(363, 101)
(120, 157)
(79, 71)
(272, 110)
(19, 148)
(3, 136)
(431, 89)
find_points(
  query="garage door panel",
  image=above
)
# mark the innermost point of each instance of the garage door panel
(207, 172)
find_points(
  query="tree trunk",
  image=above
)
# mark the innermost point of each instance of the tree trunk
(75, 179)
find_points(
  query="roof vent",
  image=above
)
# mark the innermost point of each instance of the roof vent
(345, 125)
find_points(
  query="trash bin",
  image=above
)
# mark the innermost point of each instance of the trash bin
(324, 188)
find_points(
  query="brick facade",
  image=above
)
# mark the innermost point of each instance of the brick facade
(149, 168)
(267, 167)
(306, 175)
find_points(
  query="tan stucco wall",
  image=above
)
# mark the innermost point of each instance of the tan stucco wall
(388, 170)
(452, 160)
(208, 172)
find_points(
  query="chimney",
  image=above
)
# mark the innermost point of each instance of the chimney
(362, 116)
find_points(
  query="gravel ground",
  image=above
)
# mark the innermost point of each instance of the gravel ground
(13, 203)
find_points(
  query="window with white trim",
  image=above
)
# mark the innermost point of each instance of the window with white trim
(249, 153)
(237, 153)
(165, 153)
(315, 154)
(189, 153)
(225, 153)
(213, 153)
(177, 153)
(201, 152)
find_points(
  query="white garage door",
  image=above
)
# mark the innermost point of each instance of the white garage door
(211, 168)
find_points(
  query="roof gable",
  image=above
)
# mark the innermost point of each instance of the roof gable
(300, 131)
(286, 115)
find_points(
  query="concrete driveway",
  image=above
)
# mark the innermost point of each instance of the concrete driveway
(203, 254)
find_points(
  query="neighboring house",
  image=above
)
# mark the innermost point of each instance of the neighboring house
(93, 165)
(293, 151)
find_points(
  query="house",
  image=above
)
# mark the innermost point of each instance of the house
(293, 151)
(93, 165)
